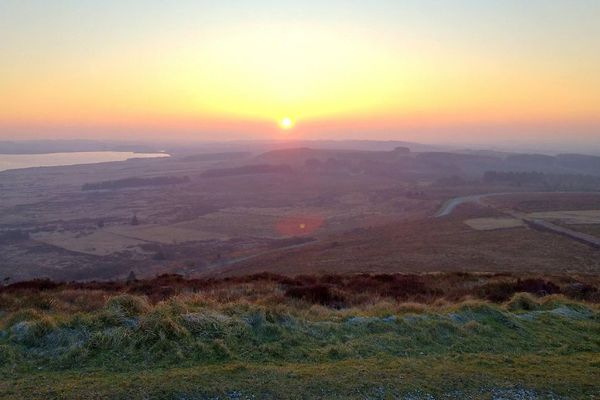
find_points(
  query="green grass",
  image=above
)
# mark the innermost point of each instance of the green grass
(386, 377)
(192, 346)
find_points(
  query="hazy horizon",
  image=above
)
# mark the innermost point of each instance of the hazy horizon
(511, 146)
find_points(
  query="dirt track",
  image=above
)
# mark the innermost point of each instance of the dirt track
(448, 207)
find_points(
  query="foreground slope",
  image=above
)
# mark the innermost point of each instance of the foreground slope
(355, 336)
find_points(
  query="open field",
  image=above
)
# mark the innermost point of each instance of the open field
(112, 240)
(98, 243)
(450, 336)
(490, 224)
(274, 223)
(436, 244)
(165, 234)
(590, 229)
(569, 217)
(235, 224)
(548, 202)
(348, 211)
(199, 221)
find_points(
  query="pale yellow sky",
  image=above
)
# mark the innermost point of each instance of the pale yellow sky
(416, 70)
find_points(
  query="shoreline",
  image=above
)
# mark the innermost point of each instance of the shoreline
(11, 162)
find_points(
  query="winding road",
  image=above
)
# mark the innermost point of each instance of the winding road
(449, 206)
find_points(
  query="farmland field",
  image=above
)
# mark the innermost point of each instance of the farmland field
(166, 234)
(97, 243)
(490, 224)
(445, 244)
(570, 217)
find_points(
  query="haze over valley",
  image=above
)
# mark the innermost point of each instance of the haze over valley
(261, 199)
(252, 208)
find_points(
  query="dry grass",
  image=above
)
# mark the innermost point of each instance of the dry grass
(363, 291)
(490, 224)
(59, 334)
(570, 217)
(429, 246)
(165, 234)
(99, 242)
(540, 202)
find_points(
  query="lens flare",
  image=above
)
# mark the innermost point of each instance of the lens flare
(299, 225)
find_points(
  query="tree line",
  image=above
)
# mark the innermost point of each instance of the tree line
(135, 182)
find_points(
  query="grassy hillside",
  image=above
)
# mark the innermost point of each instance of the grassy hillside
(386, 336)
(444, 244)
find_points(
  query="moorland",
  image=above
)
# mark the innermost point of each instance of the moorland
(367, 271)
(300, 210)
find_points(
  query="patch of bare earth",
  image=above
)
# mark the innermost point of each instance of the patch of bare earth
(490, 224)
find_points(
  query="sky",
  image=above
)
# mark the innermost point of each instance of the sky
(464, 71)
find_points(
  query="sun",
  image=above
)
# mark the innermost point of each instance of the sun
(286, 123)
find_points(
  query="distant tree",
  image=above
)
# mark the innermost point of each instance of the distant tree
(402, 150)
(453, 180)
(312, 163)
(136, 182)
(13, 236)
(100, 223)
(159, 256)
(131, 277)
(248, 170)
(134, 220)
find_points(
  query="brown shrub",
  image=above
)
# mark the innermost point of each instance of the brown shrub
(537, 286)
(334, 290)
(36, 284)
(316, 294)
(398, 286)
(504, 290)
(582, 291)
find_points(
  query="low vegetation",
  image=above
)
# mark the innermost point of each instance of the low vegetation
(335, 336)
(543, 181)
(247, 170)
(226, 156)
(135, 182)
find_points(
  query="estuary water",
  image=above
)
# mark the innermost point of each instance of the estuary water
(17, 161)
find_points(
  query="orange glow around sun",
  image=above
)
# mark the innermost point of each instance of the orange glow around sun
(257, 78)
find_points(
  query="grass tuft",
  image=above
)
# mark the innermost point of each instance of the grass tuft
(128, 305)
(523, 302)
